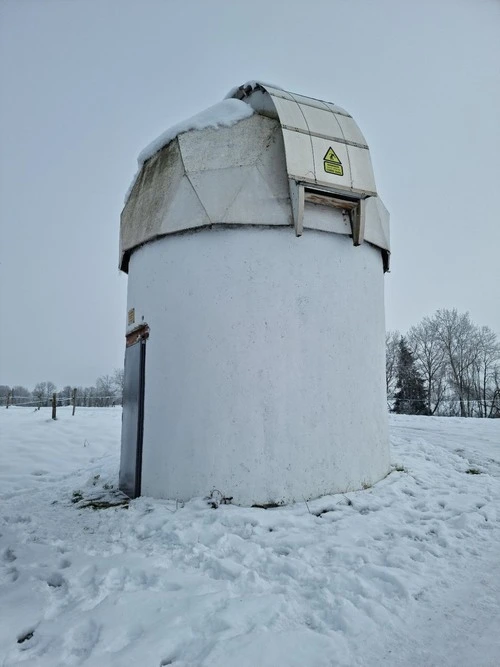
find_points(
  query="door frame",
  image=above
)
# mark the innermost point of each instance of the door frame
(139, 336)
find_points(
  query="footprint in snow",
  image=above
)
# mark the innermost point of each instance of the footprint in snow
(25, 637)
(56, 580)
(80, 642)
(8, 555)
(9, 575)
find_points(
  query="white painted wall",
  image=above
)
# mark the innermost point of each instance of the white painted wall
(265, 364)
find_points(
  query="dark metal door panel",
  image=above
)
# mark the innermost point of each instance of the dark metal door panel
(133, 419)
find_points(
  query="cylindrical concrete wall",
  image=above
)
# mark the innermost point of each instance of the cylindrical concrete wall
(265, 373)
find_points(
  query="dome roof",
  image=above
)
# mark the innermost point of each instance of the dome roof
(264, 157)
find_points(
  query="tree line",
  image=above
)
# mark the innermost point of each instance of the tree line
(445, 365)
(107, 391)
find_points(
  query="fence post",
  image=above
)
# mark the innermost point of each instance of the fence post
(54, 405)
(7, 402)
(73, 400)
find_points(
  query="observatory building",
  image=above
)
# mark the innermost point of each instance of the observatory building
(255, 246)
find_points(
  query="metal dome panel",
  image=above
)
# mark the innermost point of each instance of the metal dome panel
(326, 131)
(327, 154)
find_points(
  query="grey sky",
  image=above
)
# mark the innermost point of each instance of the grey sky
(86, 84)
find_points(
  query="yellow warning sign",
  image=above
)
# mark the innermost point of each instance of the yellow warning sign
(331, 156)
(332, 164)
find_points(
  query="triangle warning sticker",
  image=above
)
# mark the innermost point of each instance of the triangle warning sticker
(331, 156)
(332, 164)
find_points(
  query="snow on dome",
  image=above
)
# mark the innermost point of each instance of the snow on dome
(223, 114)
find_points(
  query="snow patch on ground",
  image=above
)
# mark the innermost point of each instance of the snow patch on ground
(404, 573)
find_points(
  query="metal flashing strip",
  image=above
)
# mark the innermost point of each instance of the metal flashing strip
(279, 93)
(325, 136)
(358, 222)
(344, 192)
(297, 200)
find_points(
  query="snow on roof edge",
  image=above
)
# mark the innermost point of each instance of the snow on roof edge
(223, 114)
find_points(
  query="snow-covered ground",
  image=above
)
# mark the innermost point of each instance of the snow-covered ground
(405, 573)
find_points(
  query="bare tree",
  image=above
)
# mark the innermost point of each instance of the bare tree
(66, 392)
(458, 336)
(486, 362)
(495, 394)
(458, 361)
(430, 357)
(105, 387)
(118, 381)
(20, 395)
(43, 391)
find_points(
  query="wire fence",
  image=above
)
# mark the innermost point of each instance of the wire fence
(87, 400)
(446, 407)
(450, 407)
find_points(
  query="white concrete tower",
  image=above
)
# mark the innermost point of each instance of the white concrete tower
(255, 246)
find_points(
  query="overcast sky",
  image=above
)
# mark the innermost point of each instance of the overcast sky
(86, 84)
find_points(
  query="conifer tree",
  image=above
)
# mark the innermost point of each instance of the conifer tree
(410, 391)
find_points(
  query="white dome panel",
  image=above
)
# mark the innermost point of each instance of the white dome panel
(350, 131)
(319, 120)
(184, 209)
(217, 189)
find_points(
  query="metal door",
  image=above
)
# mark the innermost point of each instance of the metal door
(133, 417)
